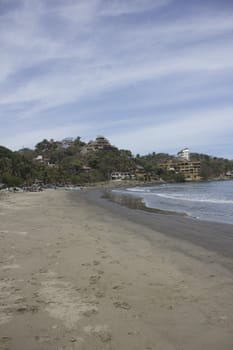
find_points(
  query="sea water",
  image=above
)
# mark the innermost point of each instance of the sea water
(210, 200)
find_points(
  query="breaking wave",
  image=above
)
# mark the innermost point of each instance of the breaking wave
(211, 201)
(194, 199)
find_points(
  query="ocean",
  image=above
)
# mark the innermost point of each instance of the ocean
(210, 200)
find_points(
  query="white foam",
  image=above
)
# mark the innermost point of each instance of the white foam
(194, 199)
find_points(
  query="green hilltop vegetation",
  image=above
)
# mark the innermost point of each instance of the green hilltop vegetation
(73, 161)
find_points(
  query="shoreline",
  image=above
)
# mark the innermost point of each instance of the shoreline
(213, 236)
(78, 272)
(136, 200)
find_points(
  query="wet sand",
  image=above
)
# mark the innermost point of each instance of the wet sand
(213, 236)
(79, 272)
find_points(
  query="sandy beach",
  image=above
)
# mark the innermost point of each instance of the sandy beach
(79, 272)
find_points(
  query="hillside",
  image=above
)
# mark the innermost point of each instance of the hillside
(15, 169)
(72, 161)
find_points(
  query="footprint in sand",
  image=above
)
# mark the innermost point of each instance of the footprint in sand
(42, 270)
(90, 312)
(114, 262)
(42, 339)
(5, 343)
(27, 308)
(9, 301)
(94, 279)
(105, 256)
(122, 305)
(117, 287)
(62, 303)
(101, 332)
(100, 294)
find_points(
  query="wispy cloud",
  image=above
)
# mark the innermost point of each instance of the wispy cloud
(55, 55)
(28, 138)
(121, 7)
(198, 130)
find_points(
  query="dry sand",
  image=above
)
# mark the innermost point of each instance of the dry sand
(74, 275)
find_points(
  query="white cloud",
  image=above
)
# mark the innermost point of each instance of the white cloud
(31, 138)
(192, 130)
(122, 7)
(84, 69)
(71, 83)
(74, 51)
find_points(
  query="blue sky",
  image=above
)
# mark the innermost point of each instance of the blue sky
(150, 75)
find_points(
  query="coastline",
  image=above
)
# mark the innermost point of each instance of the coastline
(213, 236)
(80, 272)
(195, 205)
(135, 202)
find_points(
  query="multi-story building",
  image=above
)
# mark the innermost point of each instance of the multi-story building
(183, 165)
(184, 154)
(190, 170)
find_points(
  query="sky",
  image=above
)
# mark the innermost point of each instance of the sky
(150, 75)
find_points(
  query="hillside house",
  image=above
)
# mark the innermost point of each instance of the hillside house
(100, 143)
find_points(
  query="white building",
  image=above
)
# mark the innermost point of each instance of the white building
(184, 154)
(117, 175)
